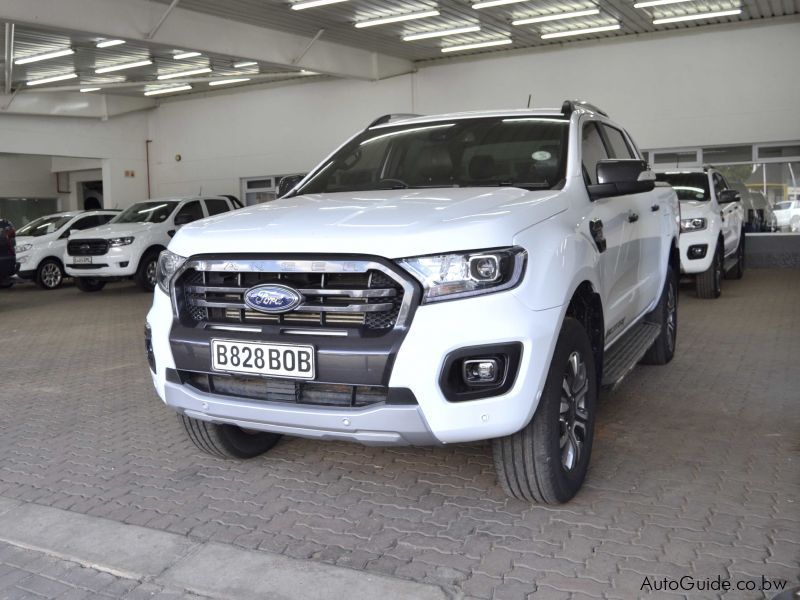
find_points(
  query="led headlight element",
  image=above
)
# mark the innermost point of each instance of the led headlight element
(120, 241)
(168, 265)
(695, 224)
(23, 247)
(451, 276)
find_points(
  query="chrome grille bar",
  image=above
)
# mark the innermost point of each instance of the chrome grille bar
(310, 308)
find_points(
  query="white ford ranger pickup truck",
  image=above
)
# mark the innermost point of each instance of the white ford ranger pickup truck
(435, 280)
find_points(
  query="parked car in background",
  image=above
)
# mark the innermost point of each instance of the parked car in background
(787, 215)
(41, 244)
(129, 246)
(712, 238)
(7, 253)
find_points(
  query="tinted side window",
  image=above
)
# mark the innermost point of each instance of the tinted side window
(215, 206)
(592, 151)
(719, 183)
(617, 144)
(86, 223)
(190, 212)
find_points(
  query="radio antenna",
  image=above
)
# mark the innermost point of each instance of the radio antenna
(530, 98)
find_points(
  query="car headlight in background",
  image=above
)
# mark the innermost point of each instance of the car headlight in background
(120, 241)
(451, 276)
(696, 224)
(23, 247)
(168, 265)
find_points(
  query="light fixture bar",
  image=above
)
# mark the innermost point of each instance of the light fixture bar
(657, 3)
(442, 33)
(313, 4)
(227, 81)
(587, 30)
(132, 65)
(185, 73)
(698, 16)
(184, 55)
(242, 65)
(488, 44)
(45, 56)
(490, 3)
(179, 88)
(52, 79)
(557, 17)
(409, 17)
(90, 89)
(109, 43)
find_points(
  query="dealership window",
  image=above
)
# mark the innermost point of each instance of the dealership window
(21, 211)
(259, 189)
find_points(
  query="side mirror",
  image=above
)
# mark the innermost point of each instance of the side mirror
(182, 219)
(619, 177)
(728, 196)
(286, 184)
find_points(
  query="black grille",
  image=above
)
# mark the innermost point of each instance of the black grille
(266, 389)
(368, 300)
(87, 247)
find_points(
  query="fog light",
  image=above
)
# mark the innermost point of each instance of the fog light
(123, 264)
(481, 371)
(698, 251)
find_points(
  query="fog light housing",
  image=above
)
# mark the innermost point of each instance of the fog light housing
(481, 371)
(124, 264)
(697, 252)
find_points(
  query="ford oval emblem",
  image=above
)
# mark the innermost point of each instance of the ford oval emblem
(272, 298)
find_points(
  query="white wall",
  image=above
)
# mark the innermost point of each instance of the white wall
(26, 177)
(704, 87)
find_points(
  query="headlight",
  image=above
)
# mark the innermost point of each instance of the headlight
(693, 225)
(450, 276)
(24, 247)
(120, 241)
(168, 265)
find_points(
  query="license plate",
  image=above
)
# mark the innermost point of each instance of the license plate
(256, 358)
(82, 260)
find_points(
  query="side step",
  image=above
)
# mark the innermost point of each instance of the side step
(626, 352)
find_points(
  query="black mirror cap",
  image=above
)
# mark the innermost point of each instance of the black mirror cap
(286, 184)
(728, 196)
(619, 177)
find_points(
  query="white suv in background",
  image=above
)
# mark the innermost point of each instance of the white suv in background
(42, 242)
(712, 228)
(787, 215)
(129, 246)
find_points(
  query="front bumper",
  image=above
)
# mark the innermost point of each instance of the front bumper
(117, 262)
(436, 330)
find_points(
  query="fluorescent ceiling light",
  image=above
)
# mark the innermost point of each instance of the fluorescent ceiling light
(185, 73)
(242, 65)
(52, 79)
(558, 17)
(490, 3)
(698, 16)
(227, 81)
(183, 55)
(45, 56)
(398, 18)
(442, 33)
(109, 43)
(138, 63)
(313, 4)
(179, 88)
(560, 34)
(656, 3)
(90, 89)
(476, 45)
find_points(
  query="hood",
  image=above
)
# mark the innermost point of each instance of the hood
(390, 223)
(691, 209)
(112, 230)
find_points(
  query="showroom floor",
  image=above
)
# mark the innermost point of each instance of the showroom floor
(695, 471)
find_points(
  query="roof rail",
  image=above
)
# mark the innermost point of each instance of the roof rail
(569, 107)
(392, 117)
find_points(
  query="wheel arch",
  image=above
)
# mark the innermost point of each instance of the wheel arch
(156, 248)
(586, 306)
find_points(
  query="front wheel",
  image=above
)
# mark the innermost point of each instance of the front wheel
(145, 276)
(665, 315)
(49, 275)
(547, 460)
(227, 441)
(89, 284)
(709, 282)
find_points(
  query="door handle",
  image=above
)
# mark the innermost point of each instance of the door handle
(633, 217)
(655, 207)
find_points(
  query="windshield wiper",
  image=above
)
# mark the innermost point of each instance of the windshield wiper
(523, 185)
(393, 184)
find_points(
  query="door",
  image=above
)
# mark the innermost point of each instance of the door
(619, 262)
(731, 214)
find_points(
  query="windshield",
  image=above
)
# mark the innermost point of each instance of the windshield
(688, 186)
(527, 152)
(147, 212)
(44, 225)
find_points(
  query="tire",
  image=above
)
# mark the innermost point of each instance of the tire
(531, 464)
(709, 282)
(49, 274)
(737, 272)
(664, 314)
(6, 283)
(227, 441)
(89, 284)
(145, 276)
